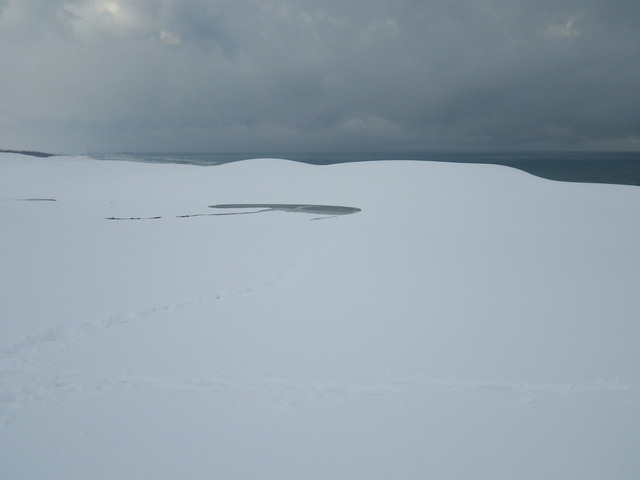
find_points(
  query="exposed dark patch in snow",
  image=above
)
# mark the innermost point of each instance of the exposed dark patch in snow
(37, 200)
(295, 208)
(328, 210)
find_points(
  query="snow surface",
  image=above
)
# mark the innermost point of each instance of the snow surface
(471, 322)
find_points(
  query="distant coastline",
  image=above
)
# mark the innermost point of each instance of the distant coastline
(617, 168)
(29, 152)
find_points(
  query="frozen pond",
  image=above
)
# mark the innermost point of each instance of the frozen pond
(332, 210)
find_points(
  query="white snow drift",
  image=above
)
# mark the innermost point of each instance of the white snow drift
(469, 322)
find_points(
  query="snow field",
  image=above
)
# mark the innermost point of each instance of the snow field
(471, 321)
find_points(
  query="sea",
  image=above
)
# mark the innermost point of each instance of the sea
(622, 168)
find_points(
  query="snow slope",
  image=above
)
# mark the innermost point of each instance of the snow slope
(470, 322)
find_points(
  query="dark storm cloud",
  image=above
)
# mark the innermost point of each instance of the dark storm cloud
(284, 75)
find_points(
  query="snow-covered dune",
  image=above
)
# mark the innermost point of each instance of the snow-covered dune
(468, 322)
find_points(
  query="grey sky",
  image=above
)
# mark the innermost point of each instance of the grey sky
(251, 75)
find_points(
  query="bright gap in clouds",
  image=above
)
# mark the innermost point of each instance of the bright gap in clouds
(101, 14)
(115, 18)
(111, 7)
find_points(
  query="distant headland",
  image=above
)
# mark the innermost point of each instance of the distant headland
(29, 152)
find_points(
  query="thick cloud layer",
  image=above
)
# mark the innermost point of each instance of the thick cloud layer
(280, 75)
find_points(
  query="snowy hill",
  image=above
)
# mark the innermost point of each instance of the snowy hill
(461, 322)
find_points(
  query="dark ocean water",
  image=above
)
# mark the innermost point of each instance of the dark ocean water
(593, 167)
